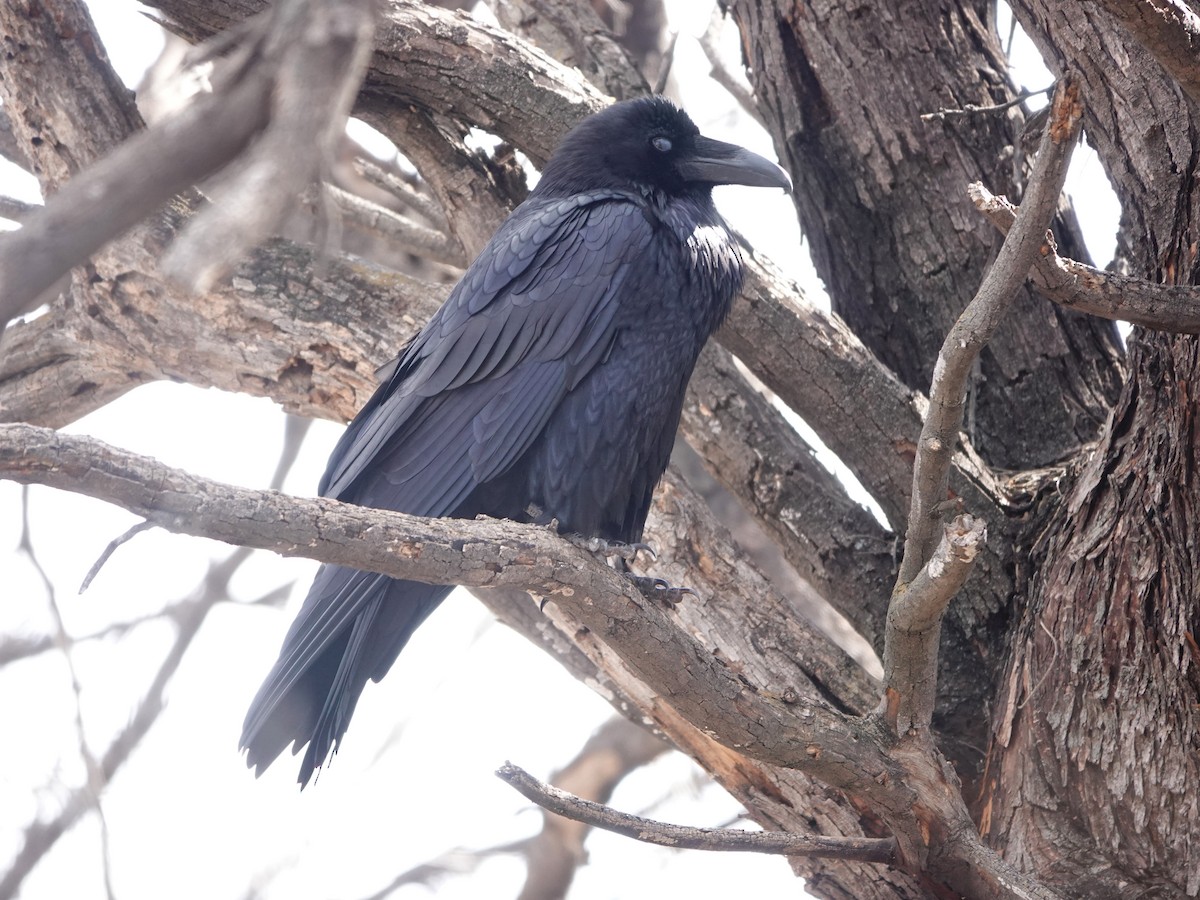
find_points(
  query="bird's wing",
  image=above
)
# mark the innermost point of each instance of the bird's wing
(531, 317)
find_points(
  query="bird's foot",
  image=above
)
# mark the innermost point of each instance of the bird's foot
(612, 549)
(660, 589)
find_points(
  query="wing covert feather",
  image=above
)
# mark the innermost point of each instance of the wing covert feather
(532, 316)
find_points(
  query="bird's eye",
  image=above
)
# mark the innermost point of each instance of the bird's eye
(661, 144)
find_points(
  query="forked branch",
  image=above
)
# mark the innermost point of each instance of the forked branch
(1161, 307)
(920, 598)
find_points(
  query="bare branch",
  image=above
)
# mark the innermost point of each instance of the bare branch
(618, 748)
(108, 551)
(94, 781)
(481, 553)
(733, 82)
(974, 328)
(1161, 307)
(880, 850)
(971, 109)
(914, 625)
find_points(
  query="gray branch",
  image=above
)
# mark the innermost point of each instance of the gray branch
(682, 837)
(1161, 307)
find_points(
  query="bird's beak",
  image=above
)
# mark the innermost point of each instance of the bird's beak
(716, 162)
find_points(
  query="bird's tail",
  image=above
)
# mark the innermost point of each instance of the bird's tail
(352, 627)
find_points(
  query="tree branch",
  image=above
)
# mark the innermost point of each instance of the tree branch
(796, 732)
(1161, 307)
(914, 625)
(1169, 30)
(618, 748)
(288, 86)
(974, 328)
(911, 642)
(880, 850)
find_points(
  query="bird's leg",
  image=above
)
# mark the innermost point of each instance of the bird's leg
(659, 589)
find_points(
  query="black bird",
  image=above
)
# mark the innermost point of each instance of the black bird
(547, 387)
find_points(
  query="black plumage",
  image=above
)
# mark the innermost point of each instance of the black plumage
(548, 386)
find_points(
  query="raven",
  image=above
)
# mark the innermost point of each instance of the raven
(548, 387)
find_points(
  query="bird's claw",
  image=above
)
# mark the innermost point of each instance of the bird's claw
(661, 590)
(613, 549)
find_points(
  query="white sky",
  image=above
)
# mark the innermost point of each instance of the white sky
(186, 818)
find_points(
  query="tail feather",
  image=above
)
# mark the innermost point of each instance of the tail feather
(352, 627)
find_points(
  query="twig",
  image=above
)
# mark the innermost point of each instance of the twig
(877, 850)
(970, 109)
(919, 598)
(616, 749)
(456, 861)
(109, 550)
(95, 781)
(1161, 307)
(719, 68)
(17, 210)
(665, 64)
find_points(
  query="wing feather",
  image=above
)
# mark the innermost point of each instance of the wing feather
(533, 315)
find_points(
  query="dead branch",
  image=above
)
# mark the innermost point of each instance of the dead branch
(947, 403)
(880, 850)
(1161, 307)
(288, 88)
(719, 69)
(618, 748)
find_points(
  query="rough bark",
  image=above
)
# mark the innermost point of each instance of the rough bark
(880, 197)
(1095, 756)
(1070, 655)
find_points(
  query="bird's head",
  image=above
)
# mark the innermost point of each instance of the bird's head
(651, 144)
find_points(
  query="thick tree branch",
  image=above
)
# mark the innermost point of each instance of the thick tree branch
(438, 60)
(319, 334)
(832, 541)
(1162, 307)
(674, 667)
(806, 734)
(880, 850)
(1170, 30)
